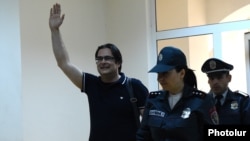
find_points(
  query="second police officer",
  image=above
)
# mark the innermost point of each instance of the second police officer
(233, 107)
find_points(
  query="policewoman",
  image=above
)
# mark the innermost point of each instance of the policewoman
(233, 107)
(179, 111)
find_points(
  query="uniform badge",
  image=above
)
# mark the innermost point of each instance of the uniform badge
(156, 113)
(234, 105)
(155, 94)
(186, 113)
(214, 115)
(160, 57)
(212, 64)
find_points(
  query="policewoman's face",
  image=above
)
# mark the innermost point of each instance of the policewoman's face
(105, 62)
(172, 80)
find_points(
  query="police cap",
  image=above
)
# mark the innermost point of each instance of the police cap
(216, 65)
(169, 58)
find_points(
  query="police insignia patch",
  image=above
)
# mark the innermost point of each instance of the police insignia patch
(212, 64)
(186, 113)
(199, 93)
(234, 105)
(160, 57)
(155, 94)
(214, 116)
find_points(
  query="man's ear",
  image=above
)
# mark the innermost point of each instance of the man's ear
(229, 77)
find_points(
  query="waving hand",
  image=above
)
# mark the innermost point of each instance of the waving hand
(55, 19)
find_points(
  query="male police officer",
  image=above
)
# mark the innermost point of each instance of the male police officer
(232, 107)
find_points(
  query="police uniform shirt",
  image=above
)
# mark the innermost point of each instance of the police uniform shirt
(235, 109)
(185, 121)
(222, 100)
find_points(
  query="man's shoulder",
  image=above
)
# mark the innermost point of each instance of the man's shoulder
(134, 81)
(136, 85)
(240, 93)
(132, 78)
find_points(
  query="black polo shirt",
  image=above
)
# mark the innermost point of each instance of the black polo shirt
(111, 112)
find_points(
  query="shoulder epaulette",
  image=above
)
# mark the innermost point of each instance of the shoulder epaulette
(199, 93)
(154, 94)
(241, 93)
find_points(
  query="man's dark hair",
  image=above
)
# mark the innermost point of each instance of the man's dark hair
(115, 52)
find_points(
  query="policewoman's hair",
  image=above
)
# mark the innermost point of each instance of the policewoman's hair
(190, 77)
(115, 52)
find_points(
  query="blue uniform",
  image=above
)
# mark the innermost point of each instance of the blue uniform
(184, 122)
(235, 110)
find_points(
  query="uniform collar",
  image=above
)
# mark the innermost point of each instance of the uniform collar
(186, 92)
(224, 94)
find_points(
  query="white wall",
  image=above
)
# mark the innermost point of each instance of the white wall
(127, 27)
(53, 108)
(10, 72)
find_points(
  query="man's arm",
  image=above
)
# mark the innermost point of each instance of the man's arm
(60, 52)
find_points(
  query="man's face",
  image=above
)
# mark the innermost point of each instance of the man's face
(106, 63)
(218, 81)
